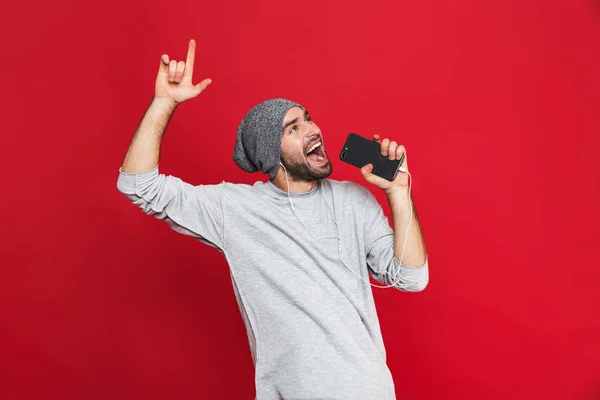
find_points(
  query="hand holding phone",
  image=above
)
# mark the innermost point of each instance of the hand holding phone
(360, 151)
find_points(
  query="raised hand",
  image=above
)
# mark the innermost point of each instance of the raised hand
(174, 79)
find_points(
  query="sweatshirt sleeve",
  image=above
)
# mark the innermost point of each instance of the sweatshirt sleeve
(191, 210)
(383, 264)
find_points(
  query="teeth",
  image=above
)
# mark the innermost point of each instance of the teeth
(313, 147)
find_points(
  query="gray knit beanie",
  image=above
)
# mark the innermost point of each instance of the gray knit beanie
(258, 141)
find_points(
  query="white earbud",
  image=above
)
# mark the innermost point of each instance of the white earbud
(402, 169)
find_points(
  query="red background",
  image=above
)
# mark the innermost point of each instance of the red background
(497, 104)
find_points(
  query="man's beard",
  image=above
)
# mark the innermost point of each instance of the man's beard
(303, 171)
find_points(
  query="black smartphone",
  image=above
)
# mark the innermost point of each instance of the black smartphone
(360, 151)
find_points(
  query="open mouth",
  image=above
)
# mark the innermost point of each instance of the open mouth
(316, 153)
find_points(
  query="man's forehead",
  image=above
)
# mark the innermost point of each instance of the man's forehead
(292, 113)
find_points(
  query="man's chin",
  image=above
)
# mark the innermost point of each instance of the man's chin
(321, 171)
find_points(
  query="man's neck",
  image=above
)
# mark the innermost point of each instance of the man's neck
(295, 186)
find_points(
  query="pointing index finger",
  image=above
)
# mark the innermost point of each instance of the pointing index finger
(189, 64)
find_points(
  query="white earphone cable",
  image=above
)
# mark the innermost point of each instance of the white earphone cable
(409, 281)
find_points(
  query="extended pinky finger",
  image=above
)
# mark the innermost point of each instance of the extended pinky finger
(164, 64)
(399, 152)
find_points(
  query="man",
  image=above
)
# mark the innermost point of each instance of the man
(296, 245)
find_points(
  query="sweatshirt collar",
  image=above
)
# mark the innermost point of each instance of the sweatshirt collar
(278, 193)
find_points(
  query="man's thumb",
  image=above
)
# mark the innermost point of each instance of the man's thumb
(366, 172)
(203, 85)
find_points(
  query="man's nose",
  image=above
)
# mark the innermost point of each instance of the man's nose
(312, 131)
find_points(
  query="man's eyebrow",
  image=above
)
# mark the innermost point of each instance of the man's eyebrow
(292, 122)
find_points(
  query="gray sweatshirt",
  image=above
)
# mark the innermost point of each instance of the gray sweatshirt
(311, 323)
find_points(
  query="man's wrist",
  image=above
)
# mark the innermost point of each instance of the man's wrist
(398, 197)
(397, 192)
(165, 103)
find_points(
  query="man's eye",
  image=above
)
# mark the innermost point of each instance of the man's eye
(293, 128)
(308, 119)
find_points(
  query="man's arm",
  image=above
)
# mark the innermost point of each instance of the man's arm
(144, 151)
(415, 253)
(408, 271)
(383, 256)
(188, 209)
